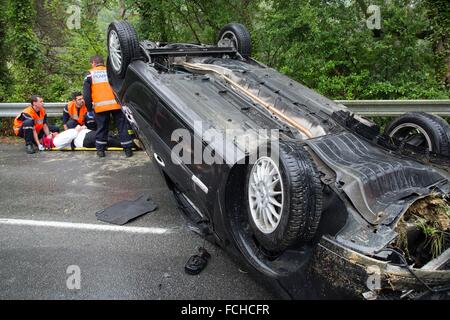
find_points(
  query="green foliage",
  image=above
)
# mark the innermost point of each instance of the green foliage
(191, 21)
(438, 12)
(25, 49)
(431, 217)
(4, 74)
(435, 238)
(327, 46)
(21, 36)
(324, 44)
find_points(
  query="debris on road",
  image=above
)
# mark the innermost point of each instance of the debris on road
(197, 262)
(125, 211)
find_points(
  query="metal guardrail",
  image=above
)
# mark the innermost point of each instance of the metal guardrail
(53, 109)
(375, 108)
(379, 108)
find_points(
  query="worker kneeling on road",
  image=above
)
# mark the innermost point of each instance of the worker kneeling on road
(31, 124)
(99, 97)
(74, 112)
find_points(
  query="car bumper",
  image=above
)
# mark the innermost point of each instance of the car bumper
(345, 273)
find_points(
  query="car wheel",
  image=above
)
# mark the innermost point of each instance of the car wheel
(123, 47)
(284, 198)
(237, 36)
(421, 129)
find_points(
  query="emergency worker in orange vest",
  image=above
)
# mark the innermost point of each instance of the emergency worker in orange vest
(75, 112)
(31, 124)
(100, 98)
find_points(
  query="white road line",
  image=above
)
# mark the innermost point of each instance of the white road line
(83, 226)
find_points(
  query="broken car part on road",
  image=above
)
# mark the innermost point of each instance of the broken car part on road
(124, 211)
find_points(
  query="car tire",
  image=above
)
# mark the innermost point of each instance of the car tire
(239, 36)
(115, 81)
(422, 130)
(123, 47)
(299, 193)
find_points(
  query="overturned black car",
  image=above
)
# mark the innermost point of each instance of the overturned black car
(313, 199)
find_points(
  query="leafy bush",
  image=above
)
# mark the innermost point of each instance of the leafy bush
(324, 44)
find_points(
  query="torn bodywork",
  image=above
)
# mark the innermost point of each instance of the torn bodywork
(356, 275)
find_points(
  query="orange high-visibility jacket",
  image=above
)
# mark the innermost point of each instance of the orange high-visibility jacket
(73, 112)
(38, 119)
(102, 95)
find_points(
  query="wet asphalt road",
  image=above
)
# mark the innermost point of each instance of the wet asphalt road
(70, 187)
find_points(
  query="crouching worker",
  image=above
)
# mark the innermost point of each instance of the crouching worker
(74, 112)
(31, 124)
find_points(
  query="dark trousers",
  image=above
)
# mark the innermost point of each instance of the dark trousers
(89, 123)
(89, 140)
(26, 131)
(72, 124)
(101, 137)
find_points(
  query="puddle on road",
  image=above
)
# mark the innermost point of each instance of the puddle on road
(99, 174)
(117, 165)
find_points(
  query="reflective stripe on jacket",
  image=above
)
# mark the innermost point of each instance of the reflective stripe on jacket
(38, 119)
(102, 94)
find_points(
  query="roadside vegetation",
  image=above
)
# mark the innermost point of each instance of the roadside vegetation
(325, 45)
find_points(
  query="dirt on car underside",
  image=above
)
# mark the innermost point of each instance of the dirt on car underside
(424, 230)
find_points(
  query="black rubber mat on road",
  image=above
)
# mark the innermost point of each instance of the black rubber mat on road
(124, 211)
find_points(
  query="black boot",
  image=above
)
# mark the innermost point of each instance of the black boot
(29, 148)
(128, 152)
(100, 153)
